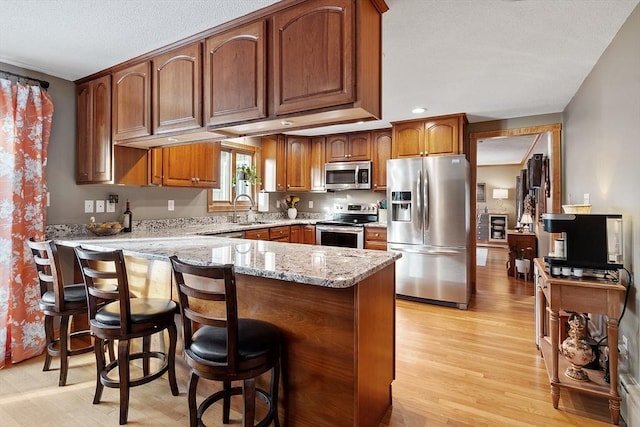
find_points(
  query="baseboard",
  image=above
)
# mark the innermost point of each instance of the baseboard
(630, 404)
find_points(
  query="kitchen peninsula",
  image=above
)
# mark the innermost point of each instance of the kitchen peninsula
(335, 306)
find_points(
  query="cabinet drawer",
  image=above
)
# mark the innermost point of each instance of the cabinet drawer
(375, 233)
(279, 233)
(260, 234)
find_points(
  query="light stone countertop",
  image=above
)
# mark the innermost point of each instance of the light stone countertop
(326, 266)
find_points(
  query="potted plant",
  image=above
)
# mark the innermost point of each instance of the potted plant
(523, 265)
(246, 173)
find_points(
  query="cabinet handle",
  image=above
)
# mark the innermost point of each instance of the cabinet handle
(288, 185)
(377, 234)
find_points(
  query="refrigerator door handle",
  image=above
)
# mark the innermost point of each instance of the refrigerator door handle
(426, 251)
(425, 203)
(419, 199)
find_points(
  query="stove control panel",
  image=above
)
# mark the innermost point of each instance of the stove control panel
(356, 208)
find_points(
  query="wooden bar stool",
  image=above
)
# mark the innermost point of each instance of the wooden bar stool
(58, 300)
(219, 346)
(123, 320)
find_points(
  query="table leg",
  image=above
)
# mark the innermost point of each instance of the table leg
(612, 338)
(614, 409)
(555, 395)
(554, 333)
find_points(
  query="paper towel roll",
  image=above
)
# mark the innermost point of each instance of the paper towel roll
(263, 202)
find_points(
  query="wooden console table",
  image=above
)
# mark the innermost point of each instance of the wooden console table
(583, 296)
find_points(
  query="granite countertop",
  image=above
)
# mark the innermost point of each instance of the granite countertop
(326, 266)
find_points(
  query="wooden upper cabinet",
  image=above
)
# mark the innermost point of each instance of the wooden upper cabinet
(349, 147)
(192, 165)
(381, 147)
(131, 102)
(313, 55)
(408, 140)
(235, 75)
(442, 136)
(177, 89)
(274, 167)
(94, 155)
(298, 161)
(156, 166)
(430, 136)
(317, 161)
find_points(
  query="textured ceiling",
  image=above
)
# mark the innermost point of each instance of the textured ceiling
(493, 59)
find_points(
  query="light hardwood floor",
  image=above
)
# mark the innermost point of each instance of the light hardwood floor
(475, 367)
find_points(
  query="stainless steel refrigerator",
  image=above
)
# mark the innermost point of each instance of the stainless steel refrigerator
(429, 224)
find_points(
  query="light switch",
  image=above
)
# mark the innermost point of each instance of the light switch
(88, 206)
(111, 207)
(99, 206)
(310, 204)
(586, 198)
(171, 205)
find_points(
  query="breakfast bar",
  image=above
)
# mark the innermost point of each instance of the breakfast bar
(335, 307)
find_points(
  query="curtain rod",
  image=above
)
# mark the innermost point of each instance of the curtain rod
(43, 84)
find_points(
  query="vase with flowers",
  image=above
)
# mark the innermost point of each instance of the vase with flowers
(291, 202)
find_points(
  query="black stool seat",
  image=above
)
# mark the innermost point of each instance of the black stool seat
(142, 310)
(71, 293)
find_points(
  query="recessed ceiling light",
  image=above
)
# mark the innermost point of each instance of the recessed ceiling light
(418, 110)
(286, 123)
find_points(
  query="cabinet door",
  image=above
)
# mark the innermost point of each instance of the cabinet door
(381, 147)
(156, 166)
(298, 154)
(309, 234)
(206, 162)
(442, 136)
(337, 147)
(313, 55)
(375, 238)
(177, 167)
(279, 234)
(317, 163)
(132, 102)
(295, 234)
(177, 89)
(408, 140)
(360, 146)
(274, 169)
(235, 75)
(94, 156)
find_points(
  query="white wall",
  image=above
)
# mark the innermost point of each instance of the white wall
(602, 155)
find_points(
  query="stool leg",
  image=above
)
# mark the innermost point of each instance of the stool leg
(249, 395)
(123, 371)
(275, 381)
(98, 349)
(171, 359)
(48, 333)
(64, 348)
(193, 410)
(146, 348)
(226, 401)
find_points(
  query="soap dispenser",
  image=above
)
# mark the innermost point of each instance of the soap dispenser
(251, 215)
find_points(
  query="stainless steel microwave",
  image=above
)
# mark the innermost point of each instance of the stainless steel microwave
(347, 176)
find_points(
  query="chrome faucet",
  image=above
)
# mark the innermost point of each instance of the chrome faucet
(235, 214)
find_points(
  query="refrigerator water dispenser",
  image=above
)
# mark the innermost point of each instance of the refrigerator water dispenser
(401, 206)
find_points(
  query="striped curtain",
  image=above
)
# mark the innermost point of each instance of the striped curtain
(25, 125)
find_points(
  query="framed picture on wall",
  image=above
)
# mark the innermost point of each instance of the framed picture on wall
(481, 192)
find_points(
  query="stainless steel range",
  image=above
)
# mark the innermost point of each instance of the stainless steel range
(347, 227)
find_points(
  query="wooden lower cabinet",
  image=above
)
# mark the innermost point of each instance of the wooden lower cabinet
(375, 238)
(309, 234)
(295, 234)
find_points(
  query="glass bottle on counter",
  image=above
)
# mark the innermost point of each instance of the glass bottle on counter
(127, 219)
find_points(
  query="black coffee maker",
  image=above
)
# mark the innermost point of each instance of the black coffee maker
(590, 241)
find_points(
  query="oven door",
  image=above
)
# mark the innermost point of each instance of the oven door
(343, 236)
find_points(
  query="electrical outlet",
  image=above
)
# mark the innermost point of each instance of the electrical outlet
(277, 204)
(88, 206)
(170, 205)
(99, 206)
(586, 199)
(111, 207)
(48, 199)
(310, 204)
